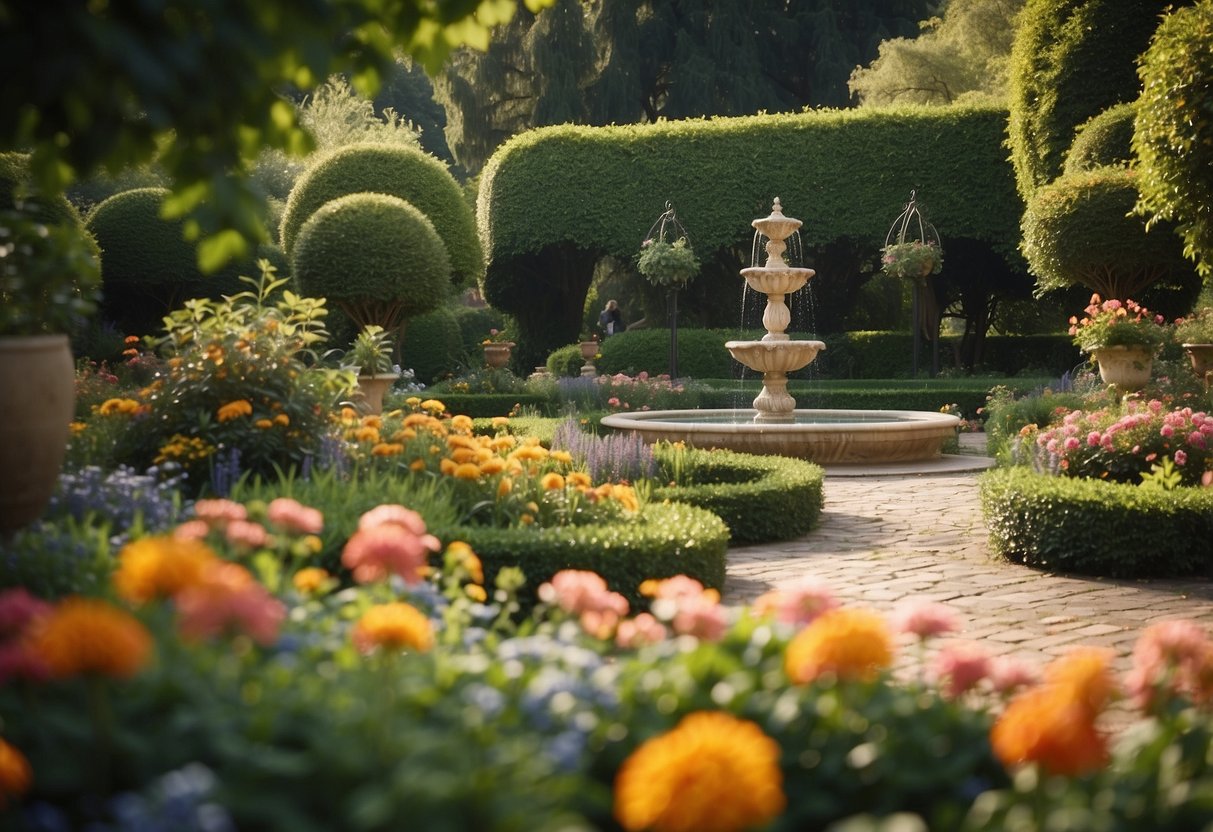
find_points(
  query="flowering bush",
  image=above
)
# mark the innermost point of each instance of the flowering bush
(668, 265)
(1123, 443)
(914, 259)
(621, 392)
(1196, 328)
(1114, 323)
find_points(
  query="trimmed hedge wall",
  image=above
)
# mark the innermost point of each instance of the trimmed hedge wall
(484, 405)
(1097, 528)
(670, 539)
(760, 498)
(845, 173)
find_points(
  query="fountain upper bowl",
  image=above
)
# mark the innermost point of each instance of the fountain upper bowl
(775, 356)
(776, 281)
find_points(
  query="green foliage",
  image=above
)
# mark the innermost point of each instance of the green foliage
(912, 260)
(1097, 528)
(376, 256)
(403, 172)
(760, 498)
(668, 539)
(49, 274)
(667, 264)
(1071, 60)
(335, 115)
(17, 187)
(961, 55)
(566, 362)
(198, 87)
(484, 405)
(1080, 229)
(148, 266)
(431, 345)
(372, 351)
(540, 271)
(474, 325)
(1173, 136)
(1007, 414)
(701, 353)
(1106, 139)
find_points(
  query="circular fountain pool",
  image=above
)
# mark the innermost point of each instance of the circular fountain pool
(822, 436)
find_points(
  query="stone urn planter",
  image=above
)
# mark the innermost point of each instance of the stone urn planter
(498, 355)
(589, 349)
(1201, 356)
(37, 380)
(1128, 367)
(371, 390)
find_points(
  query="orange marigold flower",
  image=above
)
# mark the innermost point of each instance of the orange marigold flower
(579, 479)
(503, 443)
(387, 449)
(563, 457)
(467, 471)
(86, 635)
(433, 406)
(160, 567)
(234, 410)
(551, 481)
(529, 453)
(366, 434)
(1047, 725)
(282, 419)
(500, 421)
(372, 421)
(447, 466)
(395, 626)
(1085, 674)
(16, 776)
(492, 465)
(851, 644)
(417, 465)
(263, 424)
(461, 423)
(348, 416)
(462, 455)
(458, 440)
(476, 593)
(415, 420)
(505, 487)
(711, 773)
(311, 579)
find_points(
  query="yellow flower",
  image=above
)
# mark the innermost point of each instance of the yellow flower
(412, 402)
(123, 407)
(433, 406)
(563, 457)
(462, 455)
(851, 644)
(551, 481)
(530, 453)
(500, 421)
(461, 423)
(349, 416)
(503, 443)
(1084, 674)
(579, 479)
(372, 421)
(282, 419)
(505, 487)
(417, 465)
(85, 635)
(492, 465)
(476, 593)
(311, 579)
(77, 427)
(394, 626)
(234, 410)
(447, 466)
(367, 434)
(16, 776)
(711, 773)
(160, 567)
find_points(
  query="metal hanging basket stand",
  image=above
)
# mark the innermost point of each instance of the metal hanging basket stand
(911, 248)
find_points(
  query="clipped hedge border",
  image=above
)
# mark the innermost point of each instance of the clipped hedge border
(760, 498)
(670, 539)
(1093, 527)
(484, 405)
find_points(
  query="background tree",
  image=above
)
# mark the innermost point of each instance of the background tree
(1173, 135)
(196, 82)
(961, 55)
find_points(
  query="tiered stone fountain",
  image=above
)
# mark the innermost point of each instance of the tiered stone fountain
(775, 426)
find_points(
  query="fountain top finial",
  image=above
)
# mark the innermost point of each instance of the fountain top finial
(776, 208)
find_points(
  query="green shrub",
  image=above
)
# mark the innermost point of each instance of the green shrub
(16, 185)
(668, 539)
(1006, 415)
(431, 345)
(1080, 229)
(701, 353)
(376, 256)
(760, 498)
(1105, 140)
(475, 323)
(484, 405)
(1173, 135)
(148, 268)
(404, 172)
(1097, 528)
(566, 362)
(1071, 60)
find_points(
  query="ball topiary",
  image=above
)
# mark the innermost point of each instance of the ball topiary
(148, 268)
(403, 172)
(16, 184)
(1079, 229)
(375, 256)
(431, 345)
(1174, 132)
(1104, 140)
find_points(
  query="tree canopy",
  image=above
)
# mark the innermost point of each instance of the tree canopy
(196, 83)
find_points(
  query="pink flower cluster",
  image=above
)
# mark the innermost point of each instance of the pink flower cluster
(1171, 658)
(229, 599)
(798, 604)
(690, 609)
(587, 596)
(641, 392)
(390, 540)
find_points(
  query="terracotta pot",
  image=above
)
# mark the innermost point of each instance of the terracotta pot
(1201, 356)
(371, 390)
(36, 405)
(498, 355)
(1128, 367)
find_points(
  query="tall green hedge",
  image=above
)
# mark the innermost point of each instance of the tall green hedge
(1071, 60)
(1174, 128)
(404, 172)
(553, 201)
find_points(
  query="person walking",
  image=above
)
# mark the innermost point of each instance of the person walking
(610, 320)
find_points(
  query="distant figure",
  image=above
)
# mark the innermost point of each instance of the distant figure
(610, 320)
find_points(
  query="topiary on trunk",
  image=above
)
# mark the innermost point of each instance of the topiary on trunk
(376, 256)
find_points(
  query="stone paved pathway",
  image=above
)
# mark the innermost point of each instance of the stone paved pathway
(883, 540)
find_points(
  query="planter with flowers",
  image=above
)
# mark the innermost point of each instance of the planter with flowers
(497, 349)
(1122, 337)
(49, 275)
(1195, 333)
(913, 259)
(372, 354)
(668, 265)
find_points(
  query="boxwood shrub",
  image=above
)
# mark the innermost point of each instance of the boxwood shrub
(760, 498)
(479, 405)
(1094, 527)
(668, 539)
(701, 353)
(431, 346)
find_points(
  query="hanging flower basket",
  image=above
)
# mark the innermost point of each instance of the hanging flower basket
(911, 248)
(666, 258)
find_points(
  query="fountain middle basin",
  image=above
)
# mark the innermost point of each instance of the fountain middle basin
(826, 437)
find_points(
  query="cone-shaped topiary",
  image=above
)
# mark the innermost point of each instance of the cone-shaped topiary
(375, 256)
(148, 268)
(1104, 140)
(1080, 229)
(403, 172)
